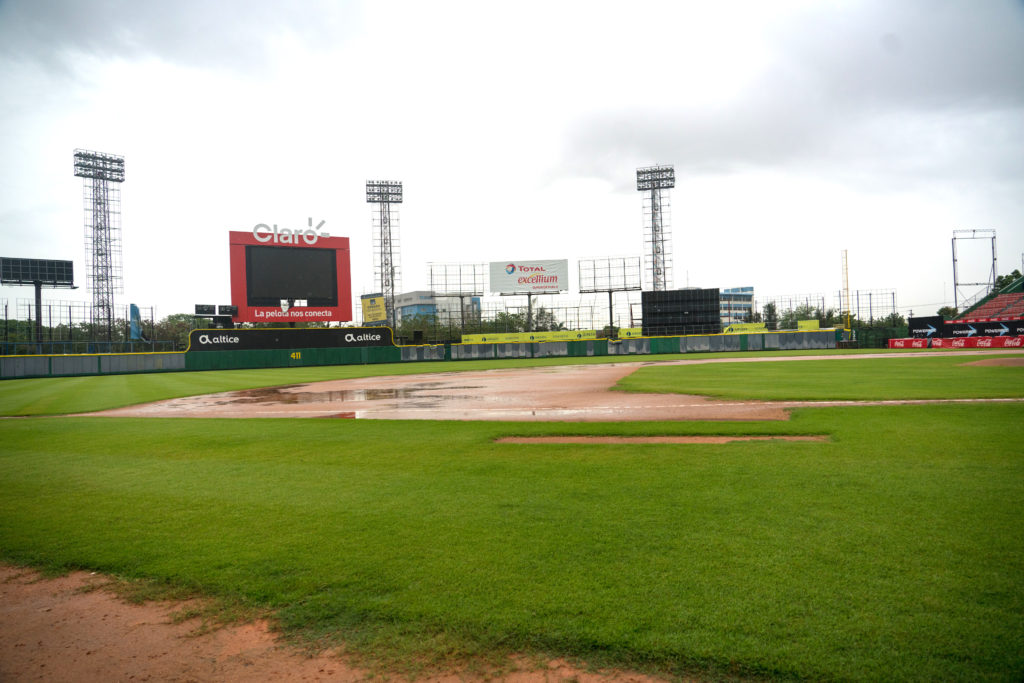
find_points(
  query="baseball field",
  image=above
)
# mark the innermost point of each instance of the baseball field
(893, 549)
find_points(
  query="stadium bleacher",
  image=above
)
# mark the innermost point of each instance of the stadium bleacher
(1000, 306)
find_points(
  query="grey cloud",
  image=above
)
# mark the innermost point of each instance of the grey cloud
(218, 34)
(924, 88)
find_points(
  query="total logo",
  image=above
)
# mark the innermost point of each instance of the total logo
(217, 339)
(265, 233)
(511, 268)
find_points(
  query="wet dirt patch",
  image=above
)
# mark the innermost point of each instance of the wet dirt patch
(295, 394)
(999, 362)
(636, 440)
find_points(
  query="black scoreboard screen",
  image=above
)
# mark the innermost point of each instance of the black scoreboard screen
(276, 273)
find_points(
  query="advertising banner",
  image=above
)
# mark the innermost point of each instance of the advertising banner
(373, 308)
(491, 338)
(529, 277)
(908, 343)
(741, 328)
(528, 337)
(808, 325)
(289, 338)
(979, 343)
(630, 332)
(927, 327)
(1002, 328)
(574, 335)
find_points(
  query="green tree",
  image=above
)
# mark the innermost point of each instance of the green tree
(947, 312)
(425, 323)
(544, 321)
(175, 328)
(1007, 280)
(771, 316)
(892, 320)
(829, 317)
(506, 322)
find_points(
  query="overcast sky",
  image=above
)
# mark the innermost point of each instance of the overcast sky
(797, 129)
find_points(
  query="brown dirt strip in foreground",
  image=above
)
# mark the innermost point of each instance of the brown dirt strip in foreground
(635, 440)
(74, 628)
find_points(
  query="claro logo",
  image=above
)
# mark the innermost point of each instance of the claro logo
(265, 233)
(353, 338)
(217, 339)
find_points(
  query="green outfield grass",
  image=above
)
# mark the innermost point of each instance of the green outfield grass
(895, 377)
(56, 396)
(895, 551)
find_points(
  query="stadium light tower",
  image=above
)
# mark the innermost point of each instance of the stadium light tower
(657, 237)
(103, 173)
(386, 260)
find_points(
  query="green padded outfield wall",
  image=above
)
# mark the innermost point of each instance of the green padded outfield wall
(101, 364)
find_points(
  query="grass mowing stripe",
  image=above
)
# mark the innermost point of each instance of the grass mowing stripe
(851, 379)
(895, 552)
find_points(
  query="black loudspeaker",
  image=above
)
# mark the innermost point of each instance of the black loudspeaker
(417, 337)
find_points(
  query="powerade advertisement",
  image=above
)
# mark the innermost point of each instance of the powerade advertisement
(1001, 328)
(926, 328)
(936, 327)
(289, 338)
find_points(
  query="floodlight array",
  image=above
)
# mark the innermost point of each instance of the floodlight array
(384, 191)
(655, 178)
(99, 166)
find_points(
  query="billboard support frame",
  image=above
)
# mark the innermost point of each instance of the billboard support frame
(529, 304)
(55, 274)
(598, 275)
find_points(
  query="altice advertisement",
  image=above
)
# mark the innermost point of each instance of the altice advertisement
(529, 277)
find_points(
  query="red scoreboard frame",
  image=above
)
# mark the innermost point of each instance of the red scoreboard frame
(238, 241)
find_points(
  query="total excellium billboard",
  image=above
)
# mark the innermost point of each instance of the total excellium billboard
(529, 277)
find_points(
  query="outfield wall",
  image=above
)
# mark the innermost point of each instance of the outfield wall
(89, 364)
(107, 364)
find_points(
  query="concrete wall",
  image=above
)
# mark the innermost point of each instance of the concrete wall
(65, 366)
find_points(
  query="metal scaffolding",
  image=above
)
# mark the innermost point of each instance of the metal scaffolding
(458, 281)
(103, 174)
(961, 297)
(610, 275)
(654, 181)
(387, 268)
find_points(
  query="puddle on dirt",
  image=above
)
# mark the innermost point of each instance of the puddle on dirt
(281, 395)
